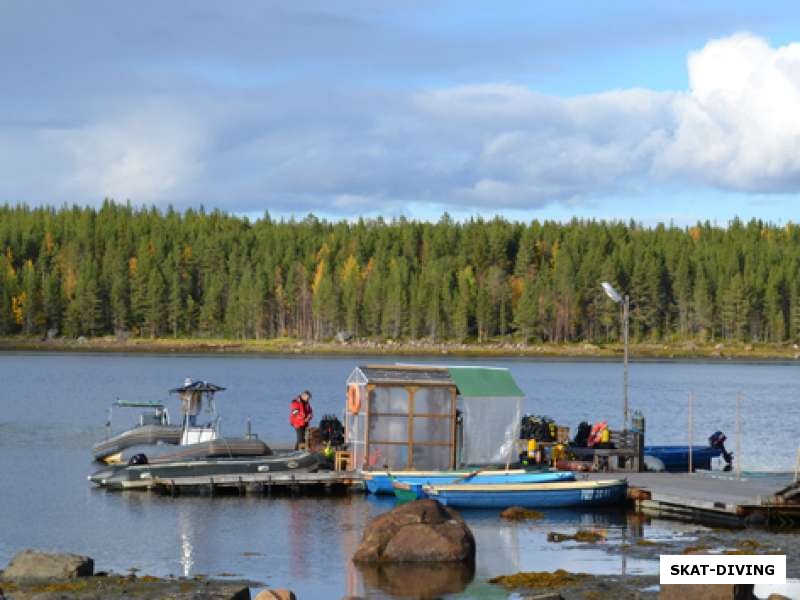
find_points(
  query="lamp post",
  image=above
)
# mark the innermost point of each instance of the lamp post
(624, 301)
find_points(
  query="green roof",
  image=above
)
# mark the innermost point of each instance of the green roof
(485, 382)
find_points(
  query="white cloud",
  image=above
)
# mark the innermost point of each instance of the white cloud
(298, 147)
(149, 155)
(738, 126)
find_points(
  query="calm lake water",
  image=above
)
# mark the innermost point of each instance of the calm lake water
(53, 407)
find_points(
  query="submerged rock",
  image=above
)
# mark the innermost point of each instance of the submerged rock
(539, 579)
(518, 513)
(276, 594)
(589, 537)
(31, 564)
(419, 531)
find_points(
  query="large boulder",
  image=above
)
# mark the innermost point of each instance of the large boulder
(31, 564)
(418, 580)
(419, 531)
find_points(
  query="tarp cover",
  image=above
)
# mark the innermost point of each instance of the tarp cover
(490, 429)
(490, 402)
(485, 382)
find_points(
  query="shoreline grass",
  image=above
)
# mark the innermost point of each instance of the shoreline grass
(494, 349)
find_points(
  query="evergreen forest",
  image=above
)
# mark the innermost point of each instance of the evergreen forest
(144, 272)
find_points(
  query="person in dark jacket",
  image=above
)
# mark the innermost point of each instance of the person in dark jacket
(300, 414)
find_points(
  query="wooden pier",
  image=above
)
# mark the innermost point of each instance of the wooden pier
(266, 484)
(712, 498)
(716, 498)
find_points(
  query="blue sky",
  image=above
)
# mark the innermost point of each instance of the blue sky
(652, 111)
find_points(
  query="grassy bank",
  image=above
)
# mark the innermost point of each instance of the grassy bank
(682, 350)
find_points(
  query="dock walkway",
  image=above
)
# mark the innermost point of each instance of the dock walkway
(713, 498)
(718, 498)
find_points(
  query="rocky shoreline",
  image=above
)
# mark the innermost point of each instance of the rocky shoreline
(35, 575)
(417, 550)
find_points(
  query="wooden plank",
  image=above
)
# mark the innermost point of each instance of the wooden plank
(269, 478)
(707, 497)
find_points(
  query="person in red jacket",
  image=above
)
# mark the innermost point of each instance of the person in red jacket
(300, 414)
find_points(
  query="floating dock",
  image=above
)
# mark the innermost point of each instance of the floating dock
(717, 498)
(712, 498)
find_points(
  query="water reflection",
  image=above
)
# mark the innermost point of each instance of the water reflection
(186, 533)
(417, 581)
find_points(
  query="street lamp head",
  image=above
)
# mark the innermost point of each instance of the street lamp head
(611, 292)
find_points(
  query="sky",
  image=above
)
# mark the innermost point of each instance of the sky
(652, 111)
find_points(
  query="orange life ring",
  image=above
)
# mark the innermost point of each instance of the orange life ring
(353, 399)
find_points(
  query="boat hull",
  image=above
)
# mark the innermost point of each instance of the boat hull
(536, 495)
(676, 458)
(381, 482)
(406, 492)
(144, 476)
(143, 435)
(216, 448)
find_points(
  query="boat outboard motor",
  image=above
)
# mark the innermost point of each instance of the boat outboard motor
(138, 459)
(717, 441)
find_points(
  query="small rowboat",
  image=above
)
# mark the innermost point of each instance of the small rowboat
(559, 494)
(380, 482)
(410, 489)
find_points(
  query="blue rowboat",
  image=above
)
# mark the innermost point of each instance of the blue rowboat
(410, 489)
(558, 494)
(676, 458)
(380, 482)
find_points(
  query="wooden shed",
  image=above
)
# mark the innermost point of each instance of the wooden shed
(404, 416)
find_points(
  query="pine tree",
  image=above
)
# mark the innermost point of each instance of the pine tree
(33, 319)
(735, 309)
(465, 303)
(156, 302)
(324, 302)
(120, 293)
(527, 319)
(703, 306)
(175, 304)
(396, 304)
(350, 281)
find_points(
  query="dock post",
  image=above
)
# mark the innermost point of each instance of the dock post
(739, 435)
(690, 433)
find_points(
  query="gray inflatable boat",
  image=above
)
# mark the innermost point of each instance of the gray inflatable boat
(153, 428)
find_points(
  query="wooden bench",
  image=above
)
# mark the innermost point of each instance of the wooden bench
(627, 453)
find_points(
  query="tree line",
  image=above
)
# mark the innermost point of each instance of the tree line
(151, 273)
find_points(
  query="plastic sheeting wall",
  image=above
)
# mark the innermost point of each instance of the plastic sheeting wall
(355, 430)
(390, 438)
(490, 429)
